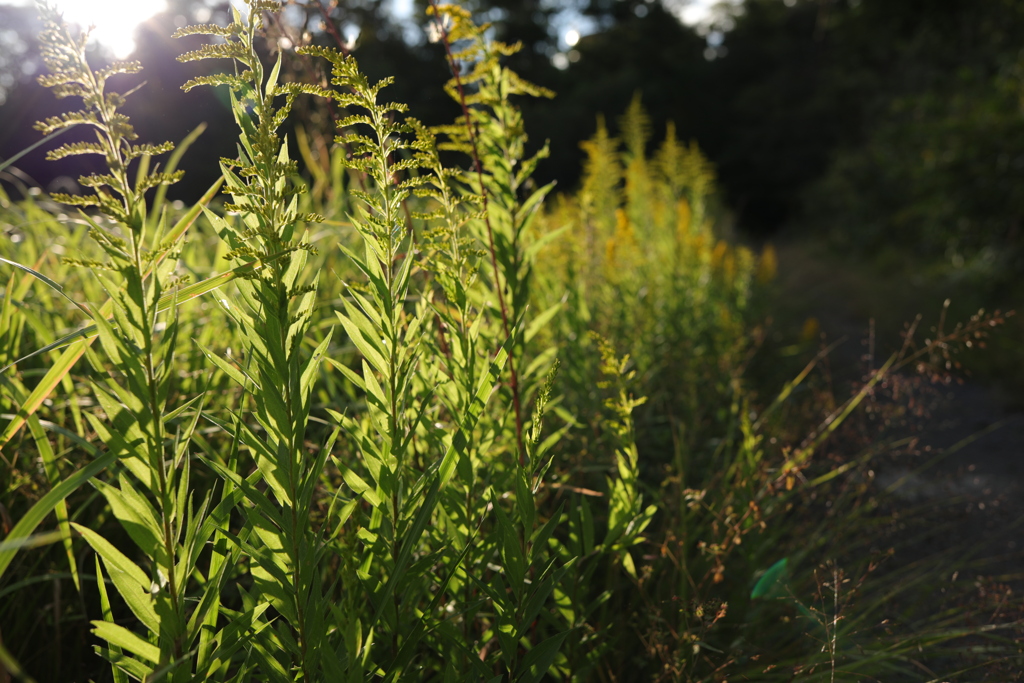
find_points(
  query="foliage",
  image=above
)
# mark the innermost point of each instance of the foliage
(416, 514)
(430, 425)
(954, 153)
(647, 270)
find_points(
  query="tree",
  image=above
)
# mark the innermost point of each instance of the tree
(938, 164)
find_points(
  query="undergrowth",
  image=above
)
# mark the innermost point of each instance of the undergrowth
(422, 422)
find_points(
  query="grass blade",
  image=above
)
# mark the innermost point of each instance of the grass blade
(174, 159)
(38, 512)
(68, 359)
(53, 474)
(10, 664)
(50, 283)
(42, 390)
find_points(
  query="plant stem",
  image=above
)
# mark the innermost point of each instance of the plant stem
(156, 437)
(478, 167)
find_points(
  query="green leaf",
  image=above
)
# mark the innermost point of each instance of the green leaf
(365, 338)
(272, 578)
(460, 441)
(271, 84)
(28, 523)
(374, 391)
(124, 450)
(125, 665)
(108, 615)
(524, 501)
(126, 640)
(627, 563)
(137, 515)
(132, 583)
(239, 632)
(359, 486)
(127, 438)
(540, 658)
(512, 557)
(357, 380)
(309, 375)
(541, 590)
(181, 409)
(772, 582)
(541, 321)
(540, 537)
(410, 540)
(248, 489)
(228, 368)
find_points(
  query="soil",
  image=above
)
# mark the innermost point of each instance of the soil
(969, 468)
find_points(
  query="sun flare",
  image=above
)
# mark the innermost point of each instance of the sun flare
(115, 20)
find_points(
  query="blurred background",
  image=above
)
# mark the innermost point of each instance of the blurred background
(882, 121)
(884, 132)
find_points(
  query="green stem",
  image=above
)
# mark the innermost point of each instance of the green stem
(156, 446)
(394, 321)
(498, 286)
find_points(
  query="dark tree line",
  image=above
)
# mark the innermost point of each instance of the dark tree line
(883, 123)
(879, 121)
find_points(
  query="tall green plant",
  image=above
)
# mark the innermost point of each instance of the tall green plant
(425, 441)
(149, 437)
(272, 314)
(492, 133)
(387, 331)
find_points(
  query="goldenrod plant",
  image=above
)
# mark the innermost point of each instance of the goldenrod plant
(492, 134)
(145, 436)
(272, 314)
(423, 422)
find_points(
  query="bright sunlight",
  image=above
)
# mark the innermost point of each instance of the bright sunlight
(115, 20)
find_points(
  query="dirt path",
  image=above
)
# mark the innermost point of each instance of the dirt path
(971, 462)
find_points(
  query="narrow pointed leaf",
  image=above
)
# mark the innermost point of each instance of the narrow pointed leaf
(38, 512)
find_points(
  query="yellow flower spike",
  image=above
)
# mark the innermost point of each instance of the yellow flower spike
(718, 255)
(684, 216)
(809, 331)
(768, 266)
